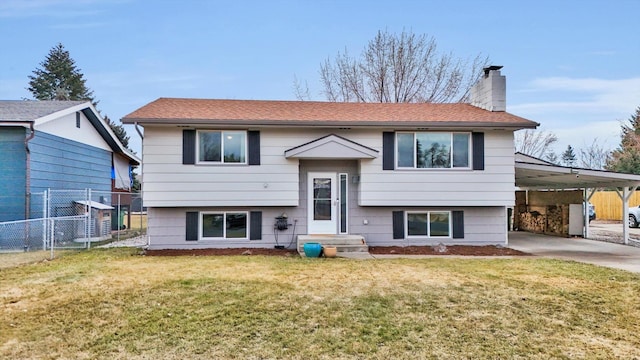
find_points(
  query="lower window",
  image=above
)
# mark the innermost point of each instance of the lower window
(223, 225)
(429, 224)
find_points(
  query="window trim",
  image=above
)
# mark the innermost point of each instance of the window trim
(222, 137)
(344, 214)
(201, 215)
(428, 213)
(470, 158)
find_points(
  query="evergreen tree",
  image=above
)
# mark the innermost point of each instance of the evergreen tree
(569, 156)
(626, 158)
(58, 78)
(552, 157)
(119, 130)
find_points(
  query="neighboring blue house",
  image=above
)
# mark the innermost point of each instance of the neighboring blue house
(56, 145)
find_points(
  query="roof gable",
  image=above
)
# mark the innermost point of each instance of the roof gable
(313, 113)
(331, 147)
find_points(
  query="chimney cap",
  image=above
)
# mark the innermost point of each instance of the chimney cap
(491, 68)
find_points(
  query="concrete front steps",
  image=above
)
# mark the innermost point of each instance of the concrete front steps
(343, 243)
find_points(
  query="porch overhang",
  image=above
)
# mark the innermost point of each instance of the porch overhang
(331, 147)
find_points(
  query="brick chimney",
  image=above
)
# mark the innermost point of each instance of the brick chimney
(490, 92)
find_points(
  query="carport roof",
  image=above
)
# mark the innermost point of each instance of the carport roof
(534, 173)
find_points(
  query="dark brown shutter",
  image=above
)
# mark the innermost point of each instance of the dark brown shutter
(477, 140)
(192, 226)
(388, 150)
(188, 146)
(457, 217)
(398, 224)
(254, 147)
(255, 227)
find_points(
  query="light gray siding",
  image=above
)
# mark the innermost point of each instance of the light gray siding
(167, 229)
(279, 185)
(493, 186)
(167, 182)
(483, 226)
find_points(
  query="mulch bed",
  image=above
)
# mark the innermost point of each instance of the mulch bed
(466, 250)
(376, 250)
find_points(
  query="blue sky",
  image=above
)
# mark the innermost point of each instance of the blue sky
(571, 65)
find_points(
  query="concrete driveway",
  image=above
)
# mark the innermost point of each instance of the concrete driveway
(577, 249)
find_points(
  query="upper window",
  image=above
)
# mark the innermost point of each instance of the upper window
(433, 150)
(228, 147)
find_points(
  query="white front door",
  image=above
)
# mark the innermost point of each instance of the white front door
(322, 203)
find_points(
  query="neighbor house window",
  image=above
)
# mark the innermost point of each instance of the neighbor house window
(429, 224)
(433, 150)
(227, 147)
(223, 225)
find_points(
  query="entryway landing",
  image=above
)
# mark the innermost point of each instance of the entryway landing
(343, 243)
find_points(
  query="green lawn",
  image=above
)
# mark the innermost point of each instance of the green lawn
(116, 304)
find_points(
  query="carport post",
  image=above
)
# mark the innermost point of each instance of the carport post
(588, 194)
(625, 196)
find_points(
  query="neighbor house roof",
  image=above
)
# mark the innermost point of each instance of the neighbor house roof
(23, 112)
(305, 113)
(29, 110)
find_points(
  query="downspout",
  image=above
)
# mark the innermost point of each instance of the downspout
(27, 191)
(141, 155)
(27, 201)
(142, 178)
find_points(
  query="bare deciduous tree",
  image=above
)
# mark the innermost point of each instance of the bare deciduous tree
(536, 143)
(301, 91)
(400, 68)
(594, 156)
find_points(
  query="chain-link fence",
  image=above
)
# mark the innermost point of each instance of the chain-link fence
(74, 219)
(128, 216)
(23, 235)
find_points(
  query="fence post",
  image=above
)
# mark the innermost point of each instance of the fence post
(119, 225)
(89, 217)
(45, 223)
(52, 226)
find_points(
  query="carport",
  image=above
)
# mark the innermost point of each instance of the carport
(536, 174)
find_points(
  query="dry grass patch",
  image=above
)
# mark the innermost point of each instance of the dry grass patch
(115, 304)
(18, 258)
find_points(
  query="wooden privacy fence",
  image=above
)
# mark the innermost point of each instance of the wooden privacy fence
(609, 205)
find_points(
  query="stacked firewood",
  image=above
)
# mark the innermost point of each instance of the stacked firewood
(533, 221)
(558, 219)
(554, 220)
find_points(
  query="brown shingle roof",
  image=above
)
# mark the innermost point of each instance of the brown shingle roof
(305, 113)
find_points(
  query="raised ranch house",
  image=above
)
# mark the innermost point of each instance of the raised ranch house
(244, 173)
(61, 145)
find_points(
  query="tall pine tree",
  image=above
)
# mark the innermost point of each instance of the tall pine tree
(569, 156)
(626, 158)
(58, 78)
